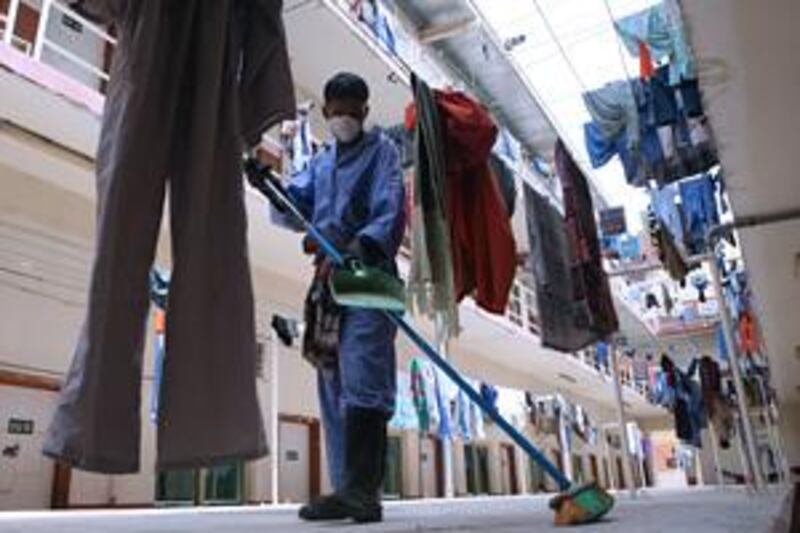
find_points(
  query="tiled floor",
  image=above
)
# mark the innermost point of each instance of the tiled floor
(698, 510)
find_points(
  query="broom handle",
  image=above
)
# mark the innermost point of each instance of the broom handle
(327, 246)
(563, 482)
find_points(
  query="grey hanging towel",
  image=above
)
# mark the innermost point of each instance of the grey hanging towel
(193, 84)
(563, 323)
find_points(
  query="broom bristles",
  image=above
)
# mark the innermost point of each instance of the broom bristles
(580, 505)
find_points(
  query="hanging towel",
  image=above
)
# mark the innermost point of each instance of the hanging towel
(431, 286)
(589, 280)
(563, 322)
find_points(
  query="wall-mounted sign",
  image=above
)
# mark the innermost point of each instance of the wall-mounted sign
(613, 222)
(19, 426)
(71, 23)
(292, 455)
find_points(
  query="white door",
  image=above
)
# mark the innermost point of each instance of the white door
(26, 476)
(428, 458)
(505, 471)
(294, 462)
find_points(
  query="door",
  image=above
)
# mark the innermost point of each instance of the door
(476, 463)
(538, 481)
(26, 476)
(621, 474)
(294, 466)
(393, 480)
(428, 467)
(508, 470)
(595, 473)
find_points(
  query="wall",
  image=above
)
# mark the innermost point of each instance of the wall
(790, 434)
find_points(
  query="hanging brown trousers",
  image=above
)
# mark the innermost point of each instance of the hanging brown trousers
(193, 83)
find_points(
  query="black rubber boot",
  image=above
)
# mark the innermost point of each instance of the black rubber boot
(365, 457)
(365, 465)
(324, 508)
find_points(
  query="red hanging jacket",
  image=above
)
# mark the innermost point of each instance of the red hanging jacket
(484, 251)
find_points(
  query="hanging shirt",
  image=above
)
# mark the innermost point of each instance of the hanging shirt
(661, 28)
(302, 148)
(613, 109)
(419, 396)
(483, 249)
(476, 415)
(748, 336)
(405, 415)
(601, 353)
(489, 394)
(464, 416)
(445, 429)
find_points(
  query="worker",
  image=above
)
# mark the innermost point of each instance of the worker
(353, 192)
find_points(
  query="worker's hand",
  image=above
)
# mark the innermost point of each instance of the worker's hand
(363, 251)
(289, 128)
(310, 246)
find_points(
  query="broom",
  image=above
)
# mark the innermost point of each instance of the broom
(575, 504)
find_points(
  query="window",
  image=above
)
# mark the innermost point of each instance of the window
(537, 476)
(476, 459)
(176, 487)
(224, 484)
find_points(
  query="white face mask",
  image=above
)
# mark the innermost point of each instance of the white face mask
(344, 128)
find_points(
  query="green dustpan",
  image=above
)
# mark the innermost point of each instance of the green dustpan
(368, 288)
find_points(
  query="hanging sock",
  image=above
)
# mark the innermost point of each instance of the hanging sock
(646, 68)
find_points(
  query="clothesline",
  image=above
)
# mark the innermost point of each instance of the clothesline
(693, 259)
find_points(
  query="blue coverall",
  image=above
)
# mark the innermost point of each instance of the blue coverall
(350, 194)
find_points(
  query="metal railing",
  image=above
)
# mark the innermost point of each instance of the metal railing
(522, 313)
(43, 42)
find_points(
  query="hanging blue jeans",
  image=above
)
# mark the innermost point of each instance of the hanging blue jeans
(700, 209)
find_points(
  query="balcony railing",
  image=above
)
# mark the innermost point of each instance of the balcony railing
(45, 43)
(522, 311)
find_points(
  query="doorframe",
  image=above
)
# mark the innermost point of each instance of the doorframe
(62, 472)
(314, 449)
(594, 469)
(511, 461)
(438, 464)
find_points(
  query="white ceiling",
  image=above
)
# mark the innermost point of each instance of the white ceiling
(750, 73)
